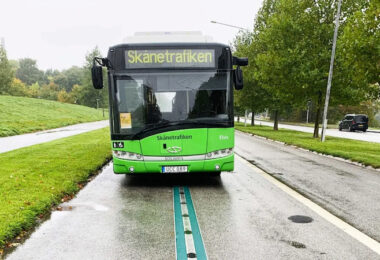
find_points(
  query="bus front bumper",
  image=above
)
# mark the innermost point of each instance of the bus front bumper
(121, 166)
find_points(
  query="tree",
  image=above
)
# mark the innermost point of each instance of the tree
(294, 42)
(28, 71)
(73, 77)
(34, 90)
(272, 43)
(67, 78)
(49, 91)
(63, 96)
(18, 88)
(360, 51)
(15, 65)
(76, 94)
(90, 95)
(6, 73)
(253, 96)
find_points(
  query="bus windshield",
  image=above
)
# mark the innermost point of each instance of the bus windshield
(147, 101)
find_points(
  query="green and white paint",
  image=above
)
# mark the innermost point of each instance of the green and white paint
(200, 149)
(189, 242)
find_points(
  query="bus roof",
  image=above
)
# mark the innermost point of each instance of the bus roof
(167, 36)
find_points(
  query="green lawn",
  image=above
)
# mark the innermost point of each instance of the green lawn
(20, 115)
(366, 153)
(35, 178)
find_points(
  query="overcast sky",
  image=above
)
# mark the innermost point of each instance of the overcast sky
(58, 34)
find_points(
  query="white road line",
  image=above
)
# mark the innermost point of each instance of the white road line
(189, 239)
(350, 230)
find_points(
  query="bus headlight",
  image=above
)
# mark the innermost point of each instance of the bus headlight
(128, 156)
(219, 153)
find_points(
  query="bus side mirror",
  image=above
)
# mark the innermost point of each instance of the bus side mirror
(97, 76)
(239, 61)
(238, 78)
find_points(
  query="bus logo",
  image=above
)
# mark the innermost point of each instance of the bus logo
(174, 149)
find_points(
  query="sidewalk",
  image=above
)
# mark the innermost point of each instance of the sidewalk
(369, 136)
(19, 141)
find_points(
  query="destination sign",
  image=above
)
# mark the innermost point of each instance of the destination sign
(170, 58)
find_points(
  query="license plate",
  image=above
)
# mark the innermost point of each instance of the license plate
(360, 125)
(170, 169)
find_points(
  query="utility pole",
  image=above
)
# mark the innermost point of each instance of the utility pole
(324, 119)
(308, 109)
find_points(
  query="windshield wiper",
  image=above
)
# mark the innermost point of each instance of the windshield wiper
(165, 123)
(153, 126)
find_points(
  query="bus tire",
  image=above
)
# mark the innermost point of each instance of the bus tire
(215, 174)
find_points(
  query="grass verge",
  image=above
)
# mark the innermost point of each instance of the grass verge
(24, 115)
(35, 178)
(367, 153)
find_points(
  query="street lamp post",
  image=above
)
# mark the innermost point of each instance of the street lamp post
(324, 119)
(229, 25)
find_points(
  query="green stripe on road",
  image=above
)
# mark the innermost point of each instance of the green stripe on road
(189, 243)
(198, 241)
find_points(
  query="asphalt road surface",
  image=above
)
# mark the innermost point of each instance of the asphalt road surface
(246, 214)
(369, 136)
(10, 143)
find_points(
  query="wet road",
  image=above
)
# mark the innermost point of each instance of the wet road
(349, 191)
(18, 141)
(369, 136)
(240, 215)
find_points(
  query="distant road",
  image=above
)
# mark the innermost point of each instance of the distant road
(19, 141)
(371, 136)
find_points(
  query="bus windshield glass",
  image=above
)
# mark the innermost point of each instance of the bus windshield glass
(148, 101)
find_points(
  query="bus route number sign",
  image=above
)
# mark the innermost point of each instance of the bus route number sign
(170, 58)
(118, 145)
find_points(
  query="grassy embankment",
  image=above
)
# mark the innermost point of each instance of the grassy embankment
(35, 178)
(367, 153)
(20, 115)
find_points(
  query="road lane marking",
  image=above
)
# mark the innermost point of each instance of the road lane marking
(189, 242)
(350, 230)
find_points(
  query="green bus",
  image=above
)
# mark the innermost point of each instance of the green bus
(171, 106)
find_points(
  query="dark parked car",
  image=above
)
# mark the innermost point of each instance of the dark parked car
(354, 122)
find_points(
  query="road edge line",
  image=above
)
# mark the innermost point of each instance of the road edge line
(347, 228)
